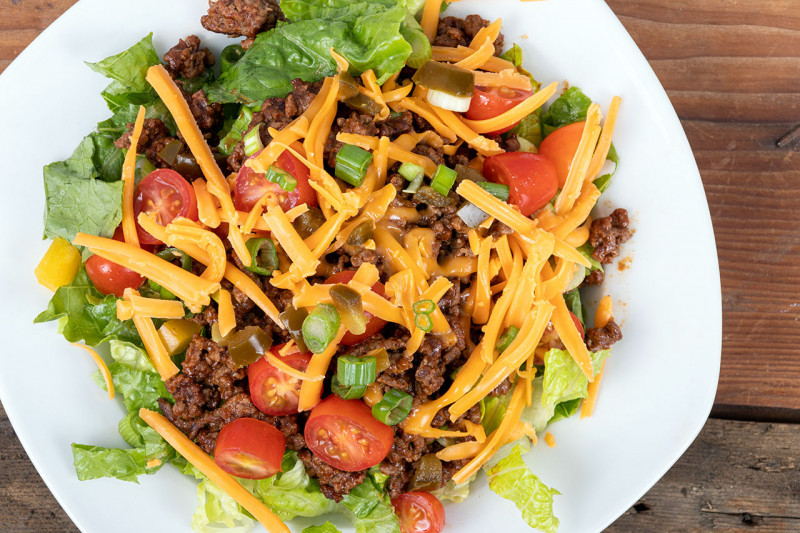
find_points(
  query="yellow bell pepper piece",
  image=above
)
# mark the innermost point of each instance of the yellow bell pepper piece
(59, 265)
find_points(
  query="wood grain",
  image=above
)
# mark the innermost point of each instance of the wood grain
(736, 476)
(730, 68)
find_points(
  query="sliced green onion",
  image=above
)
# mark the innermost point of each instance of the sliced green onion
(352, 163)
(414, 174)
(252, 141)
(410, 171)
(498, 190)
(234, 135)
(320, 327)
(472, 215)
(443, 179)
(353, 392)
(441, 99)
(285, 181)
(170, 254)
(356, 371)
(507, 338)
(423, 322)
(264, 256)
(393, 407)
(424, 307)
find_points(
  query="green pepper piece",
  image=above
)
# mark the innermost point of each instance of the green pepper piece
(428, 475)
(248, 345)
(446, 78)
(361, 233)
(348, 303)
(264, 256)
(292, 320)
(309, 222)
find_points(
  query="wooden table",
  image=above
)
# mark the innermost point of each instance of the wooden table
(732, 70)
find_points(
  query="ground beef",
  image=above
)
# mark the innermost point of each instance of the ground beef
(333, 483)
(210, 364)
(207, 115)
(608, 234)
(454, 31)
(187, 60)
(595, 277)
(603, 338)
(242, 18)
(429, 374)
(503, 388)
(154, 137)
(394, 127)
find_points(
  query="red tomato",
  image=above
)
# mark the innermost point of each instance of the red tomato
(419, 512)
(111, 278)
(272, 391)
(374, 324)
(560, 147)
(250, 449)
(531, 178)
(165, 194)
(344, 434)
(577, 324)
(489, 102)
(251, 186)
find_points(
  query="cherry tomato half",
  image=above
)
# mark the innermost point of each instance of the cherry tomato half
(251, 186)
(531, 178)
(109, 277)
(250, 449)
(166, 195)
(560, 147)
(489, 102)
(272, 391)
(374, 324)
(419, 512)
(345, 435)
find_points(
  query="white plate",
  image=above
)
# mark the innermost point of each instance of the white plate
(659, 384)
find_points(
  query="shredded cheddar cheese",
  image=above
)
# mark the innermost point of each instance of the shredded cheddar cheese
(128, 179)
(513, 115)
(101, 365)
(227, 316)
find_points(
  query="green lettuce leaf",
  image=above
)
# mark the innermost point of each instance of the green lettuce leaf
(87, 315)
(529, 128)
(75, 199)
(128, 69)
(604, 181)
(565, 410)
(511, 479)
(370, 509)
(454, 492)
(539, 413)
(563, 378)
(586, 250)
(493, 408)
(216, 510)
(327, 527)
(365, 32)
(130, 356)
(568, 108)
(93, 462)
(574, 304)
(293, 492)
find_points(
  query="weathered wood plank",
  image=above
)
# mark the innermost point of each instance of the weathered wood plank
(26, 505)
(736, 476)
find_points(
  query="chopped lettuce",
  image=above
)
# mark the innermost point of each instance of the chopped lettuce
(568, 108)
(366, 32)
(127, 71)
(293, 492)
(454, 492)
(563, 378)
(529, 128)
(370, 510)
(327, 527)
(574, 304)
(87, 315)
(511, 479)
(77, 199)
(586, 250)
(604, 181)
(493, 408)
(539, 413)
(216, 510)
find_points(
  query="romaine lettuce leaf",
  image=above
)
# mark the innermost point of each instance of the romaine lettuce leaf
(93, 462)
(604, 181)
(529, 128)
(327, 527)
(127, 70)
(370, 509)
(86, 314)
(75, 199)
(574, 304)
(565, 410)
(563, 378)
(454, 492)
(216, 510)
(511, 479)
(493, 408)
(568, 108)
(366, 32)
(293, 492)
